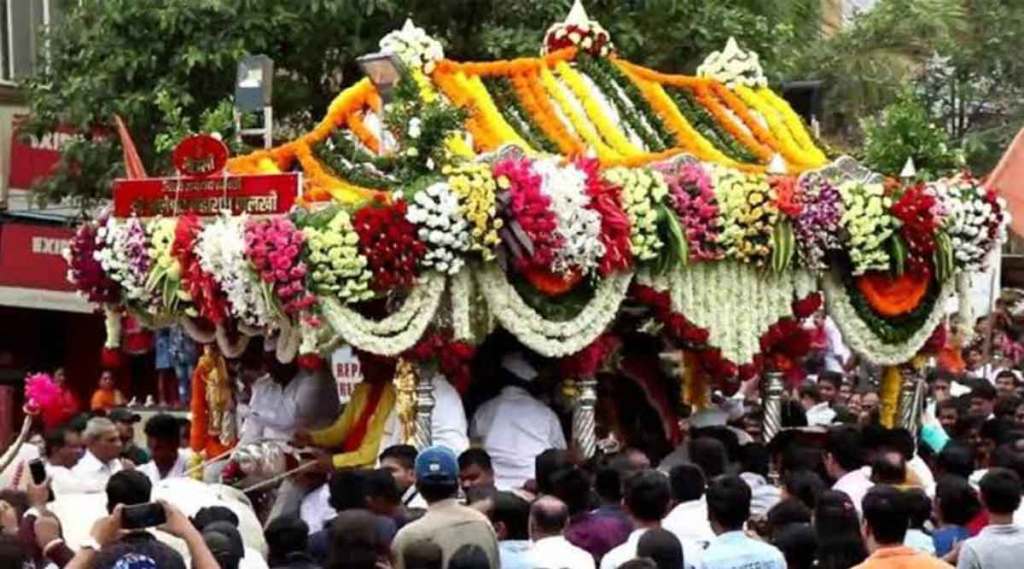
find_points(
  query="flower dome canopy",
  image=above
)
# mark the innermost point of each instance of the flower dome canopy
(572, 101)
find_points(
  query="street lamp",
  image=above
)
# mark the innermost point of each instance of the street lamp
(253, 90)
(384, 70)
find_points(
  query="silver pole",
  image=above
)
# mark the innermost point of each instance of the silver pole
(773, 389)
(583, 428)
(424, 411)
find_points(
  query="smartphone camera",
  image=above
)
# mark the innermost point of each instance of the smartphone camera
(142, 516)
(38, 470)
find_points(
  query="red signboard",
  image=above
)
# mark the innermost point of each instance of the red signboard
(200, 155)
(32, 159)
(31, 256)
(253, 194)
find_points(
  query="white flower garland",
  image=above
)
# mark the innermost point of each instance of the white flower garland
(461, 292)
(736, 302)
(861, 339)
(125, 258)
(221, 251)
(437, 215)
(578, 225)
(394, 334)
(547, 337)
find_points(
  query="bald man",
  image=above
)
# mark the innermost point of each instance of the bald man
(548, 518)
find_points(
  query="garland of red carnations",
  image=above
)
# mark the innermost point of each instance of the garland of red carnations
(453, 358)
(606, 199)
(388, 241)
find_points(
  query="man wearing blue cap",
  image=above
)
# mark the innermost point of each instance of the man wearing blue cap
(446, 523)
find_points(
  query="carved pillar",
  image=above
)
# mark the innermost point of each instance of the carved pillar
(424, 411)
(583, 431)
(773, 388)
(911, 401)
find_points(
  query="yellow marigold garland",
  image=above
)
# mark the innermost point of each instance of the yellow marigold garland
(483, 138)
(795, 123)
(505, 67)
(494, 118)
(686, 136)
(707, 99)
(778, 127)
(321, 186)
(539, 106)
(583, 128)
(614, 137)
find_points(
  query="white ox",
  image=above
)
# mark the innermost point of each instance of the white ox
(78, 512)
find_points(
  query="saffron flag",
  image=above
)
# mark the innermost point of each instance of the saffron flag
(1007, 179)
(132, 163)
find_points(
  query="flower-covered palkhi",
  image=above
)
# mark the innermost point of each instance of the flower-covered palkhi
(538, 195)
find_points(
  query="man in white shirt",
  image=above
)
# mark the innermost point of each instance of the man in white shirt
(281, 404)
(646, 501)
(844, 462)
(63, 451)
(688, 520)
(548, 518)
(448, 425)
(102, 455)
(163, 437)
(819, 411)
(514, 427)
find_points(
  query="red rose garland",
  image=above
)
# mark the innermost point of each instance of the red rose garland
(389, 243)
(916, 210)
(453, 358)
(588, 361)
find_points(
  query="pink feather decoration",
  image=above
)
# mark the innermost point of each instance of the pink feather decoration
(43, 394)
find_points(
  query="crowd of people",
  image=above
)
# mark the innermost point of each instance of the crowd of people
(502, 488)
(850, 493)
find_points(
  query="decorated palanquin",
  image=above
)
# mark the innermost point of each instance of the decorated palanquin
(543, 194)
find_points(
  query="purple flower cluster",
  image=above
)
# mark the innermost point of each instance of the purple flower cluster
(817, 226)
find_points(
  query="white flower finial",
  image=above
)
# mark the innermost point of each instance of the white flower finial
(579, 30)
(909, 169)
(733, 66)
(577, 15)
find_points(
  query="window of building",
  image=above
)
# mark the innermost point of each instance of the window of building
(20, 42)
